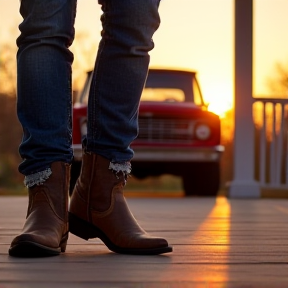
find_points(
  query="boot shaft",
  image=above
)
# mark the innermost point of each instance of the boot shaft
(55, 189)
(97, 181)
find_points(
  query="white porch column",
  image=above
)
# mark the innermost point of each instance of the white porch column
(243, 184)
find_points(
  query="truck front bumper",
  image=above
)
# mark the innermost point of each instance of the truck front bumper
(163, 154)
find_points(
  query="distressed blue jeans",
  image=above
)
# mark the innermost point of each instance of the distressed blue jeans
(44, 81)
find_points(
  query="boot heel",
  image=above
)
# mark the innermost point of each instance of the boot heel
(63, 247)
(81, 228)
(63, 243)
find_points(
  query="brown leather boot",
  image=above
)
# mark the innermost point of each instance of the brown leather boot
(98, 209)
(45, 231)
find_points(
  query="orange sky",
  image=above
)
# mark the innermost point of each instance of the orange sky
(196, 34)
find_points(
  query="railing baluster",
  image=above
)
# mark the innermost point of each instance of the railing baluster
(280, 147)
(263, 160)
(286, 160)
(273, 147)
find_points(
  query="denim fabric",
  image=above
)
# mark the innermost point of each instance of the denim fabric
(44, 79)
(119, 76)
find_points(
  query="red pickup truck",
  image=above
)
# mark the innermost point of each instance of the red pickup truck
(177, 135)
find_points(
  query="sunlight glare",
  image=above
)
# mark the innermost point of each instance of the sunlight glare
(219, 108)
(215, 230)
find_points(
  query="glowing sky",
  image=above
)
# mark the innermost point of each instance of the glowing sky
(199, 35)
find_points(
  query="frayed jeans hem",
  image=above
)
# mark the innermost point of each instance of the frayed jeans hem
(37, 178)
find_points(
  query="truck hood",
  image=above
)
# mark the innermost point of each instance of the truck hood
(184, 109)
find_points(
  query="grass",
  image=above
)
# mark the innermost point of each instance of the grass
(13, 191)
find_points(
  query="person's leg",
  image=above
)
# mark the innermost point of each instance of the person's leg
(98, 207)
(44, 100)
(44, 110)
(119, 76)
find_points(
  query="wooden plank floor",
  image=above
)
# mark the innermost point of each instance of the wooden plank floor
(217, 243)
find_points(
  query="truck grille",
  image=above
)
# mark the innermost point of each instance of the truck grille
(166, 130)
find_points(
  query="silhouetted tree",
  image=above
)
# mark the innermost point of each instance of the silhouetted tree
(8, 69)
(278, 84)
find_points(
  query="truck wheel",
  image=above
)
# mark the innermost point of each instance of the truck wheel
(74, 174)
(201, 179)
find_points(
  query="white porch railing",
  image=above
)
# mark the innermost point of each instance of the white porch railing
(271, 122)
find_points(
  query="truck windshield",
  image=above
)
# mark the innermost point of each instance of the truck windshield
(163, 94)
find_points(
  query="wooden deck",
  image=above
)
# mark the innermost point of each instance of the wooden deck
(217, 244)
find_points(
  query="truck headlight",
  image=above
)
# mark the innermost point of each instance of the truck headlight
(202, 132)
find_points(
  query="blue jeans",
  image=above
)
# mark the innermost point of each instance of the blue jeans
(44, 80)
